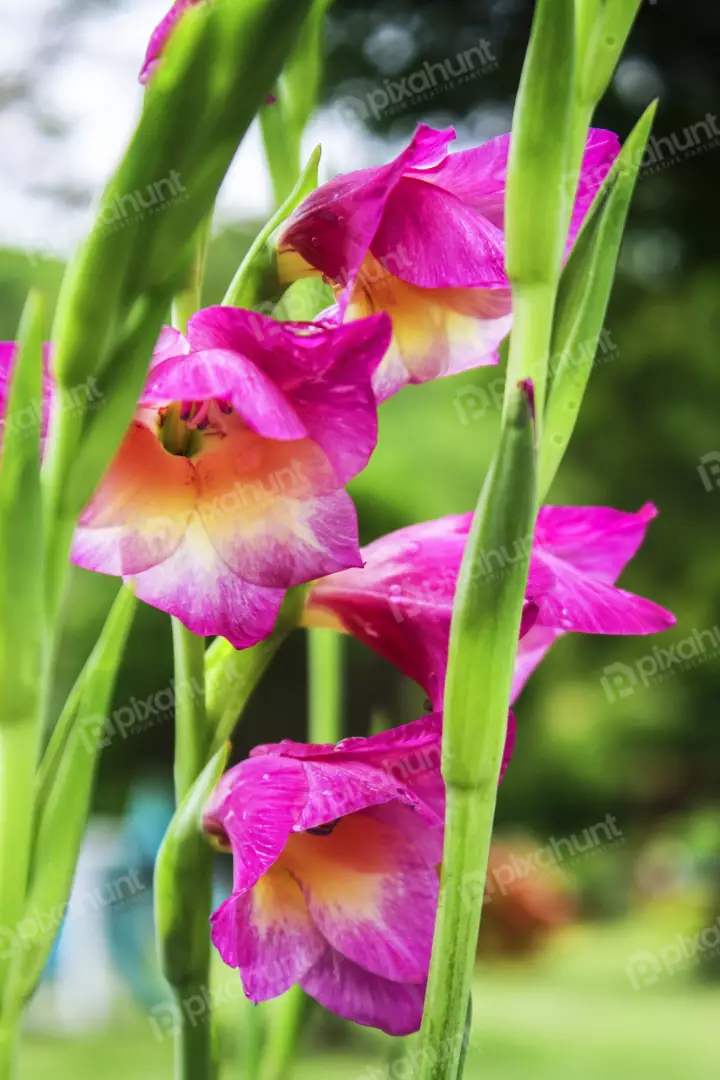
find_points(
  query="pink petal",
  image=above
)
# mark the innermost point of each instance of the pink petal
(295, 541)
(139, 514)
(477, 177)
(338, 787)
(333, 228)
(587, 605)
(531, 650)
(218, 374)
(465, 249)
(324, 371)
(436, 332)
(585, 550)
(370, 893)
(338, 408)
(159, 37)
(400, 602)
(170, 343)
(601, 149)
(39, 415)
(268, 934)
(596, 539)
(347, 990)
(194, 585)
(255, 806)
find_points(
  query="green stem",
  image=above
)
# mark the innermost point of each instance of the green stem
(469, 821)
(189, 299)
(193, 1038)
(533, 308)
(193, 1056)
(325, 662)
(18, 754)
(283, 1028)
(191, 740)
(9, 1044)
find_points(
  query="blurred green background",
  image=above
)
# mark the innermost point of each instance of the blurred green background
(581, 970)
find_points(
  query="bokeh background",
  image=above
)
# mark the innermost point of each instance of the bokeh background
(607, 862)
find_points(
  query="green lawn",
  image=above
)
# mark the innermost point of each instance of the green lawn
(572, 1015)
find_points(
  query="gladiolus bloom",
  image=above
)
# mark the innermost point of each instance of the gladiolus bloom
(229, 486)
(400, 602)
(422, 239)
(335, 885)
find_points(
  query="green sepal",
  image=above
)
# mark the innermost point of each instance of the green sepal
(256, 277)
(583, 297)
(537, 199)
(483, 642)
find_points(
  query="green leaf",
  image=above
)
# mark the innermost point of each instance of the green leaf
(183, 883)
(483, 642)
(21, 608)
(21, 525)
(231, 675)
(583, 298)
(66, 789)
(537, 197)
(257, 275)
(304, 300)
(283, 122)
(606, 43)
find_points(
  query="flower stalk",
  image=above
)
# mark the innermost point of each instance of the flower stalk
(483, 639)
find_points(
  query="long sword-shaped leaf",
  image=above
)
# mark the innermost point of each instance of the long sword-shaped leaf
(21, 642)
(483, 642)
(62, 812)
(583, 299)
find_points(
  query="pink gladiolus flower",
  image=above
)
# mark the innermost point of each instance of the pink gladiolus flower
(400, 603)
(335, 886)
(229, 486)
(422, 238)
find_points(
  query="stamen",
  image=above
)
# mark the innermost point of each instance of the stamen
(201, 419)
